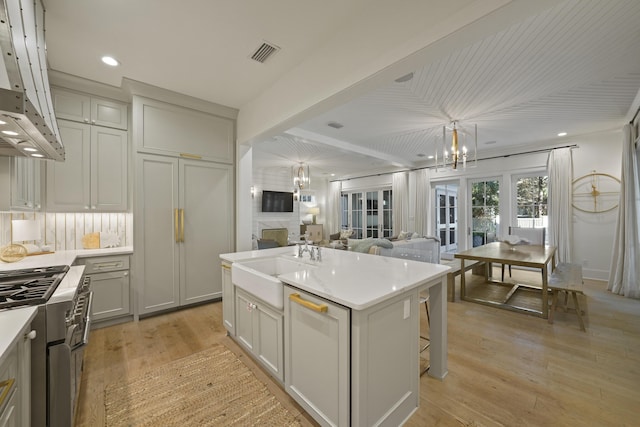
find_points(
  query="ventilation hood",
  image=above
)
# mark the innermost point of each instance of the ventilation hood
(28, 126)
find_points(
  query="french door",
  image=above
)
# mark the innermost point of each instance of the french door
(368, 213)
(484, 195)
(446, 216)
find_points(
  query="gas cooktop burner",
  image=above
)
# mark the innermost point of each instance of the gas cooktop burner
(29, 286)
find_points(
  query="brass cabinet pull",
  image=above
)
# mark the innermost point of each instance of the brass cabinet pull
(320, 308)
(190, 156)
(175, 225)
(5, 388)
(182, 225)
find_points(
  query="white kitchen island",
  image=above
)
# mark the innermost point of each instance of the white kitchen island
(351, 334)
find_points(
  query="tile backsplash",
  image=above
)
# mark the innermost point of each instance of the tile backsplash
(64, 231)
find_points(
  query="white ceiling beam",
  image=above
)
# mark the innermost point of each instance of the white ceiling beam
(318, 139)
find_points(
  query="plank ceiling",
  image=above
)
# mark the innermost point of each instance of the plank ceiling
(574, 68)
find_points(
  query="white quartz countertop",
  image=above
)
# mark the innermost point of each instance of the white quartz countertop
(11, 323)
(352, 279)
(62, 258)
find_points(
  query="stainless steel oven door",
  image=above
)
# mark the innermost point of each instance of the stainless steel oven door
(65, 371)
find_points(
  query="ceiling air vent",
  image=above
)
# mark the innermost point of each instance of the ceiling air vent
(265, 50)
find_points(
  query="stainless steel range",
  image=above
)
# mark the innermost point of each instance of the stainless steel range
(62, 326)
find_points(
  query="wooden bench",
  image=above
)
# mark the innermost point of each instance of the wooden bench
(566, 278)
(455, 271)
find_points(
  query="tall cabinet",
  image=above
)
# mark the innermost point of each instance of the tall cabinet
(184, 204)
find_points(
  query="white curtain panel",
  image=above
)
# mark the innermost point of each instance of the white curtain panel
(624, 276)
(560, 171)
(423, 192)
(333, 207)
(400, 189)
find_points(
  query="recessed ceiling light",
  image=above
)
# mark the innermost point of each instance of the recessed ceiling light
(37, 155)
(109, 60)
(30, 149)
(562, 134)
(2, 123)
(430, 157)
(10, 132)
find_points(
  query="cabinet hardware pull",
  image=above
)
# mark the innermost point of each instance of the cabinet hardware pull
(226, 267)
(320, 308)
(6, 387)
(190, 156)
(177, 230)
(182, 225)
(30, 335)
(108, 265)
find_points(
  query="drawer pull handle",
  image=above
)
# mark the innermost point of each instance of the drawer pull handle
(320, 308)
(108, 265)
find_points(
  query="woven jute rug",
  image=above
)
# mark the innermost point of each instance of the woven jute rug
(209, 388)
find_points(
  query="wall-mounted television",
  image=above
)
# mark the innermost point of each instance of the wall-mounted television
(277, 201)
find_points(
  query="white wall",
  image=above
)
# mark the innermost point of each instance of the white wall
(594, 233)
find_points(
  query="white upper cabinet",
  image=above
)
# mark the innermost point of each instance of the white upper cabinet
(92, 110)
(178, 131)
(94, 175)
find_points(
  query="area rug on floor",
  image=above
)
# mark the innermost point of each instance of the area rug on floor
(209, 388)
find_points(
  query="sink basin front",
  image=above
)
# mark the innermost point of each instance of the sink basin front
(259, 277)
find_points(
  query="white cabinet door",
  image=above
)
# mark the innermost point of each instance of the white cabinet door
(82, 108)
(109, 113)
(206, 222)
(228, 300)
(244, 319)
(94, 175)
(71, 106)
(259, 329)
(157, 260)
(110, 295)
(317, 357)
(26, 188)
(268, 338)
(69, 182)
(109, 170)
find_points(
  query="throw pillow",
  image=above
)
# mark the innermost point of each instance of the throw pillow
(345, 234)
(403, 235)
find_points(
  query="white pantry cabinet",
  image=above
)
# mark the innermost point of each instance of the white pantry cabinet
(259, 330)
(184, 221)
(94, 175)
(88, 109)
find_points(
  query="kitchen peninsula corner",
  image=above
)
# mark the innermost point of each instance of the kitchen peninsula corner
(351, 327)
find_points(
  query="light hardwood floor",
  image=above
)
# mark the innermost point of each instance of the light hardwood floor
(505, 368)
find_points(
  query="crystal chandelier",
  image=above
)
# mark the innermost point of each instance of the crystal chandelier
(457, 153)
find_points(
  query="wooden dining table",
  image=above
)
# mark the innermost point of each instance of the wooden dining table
(540, 257)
